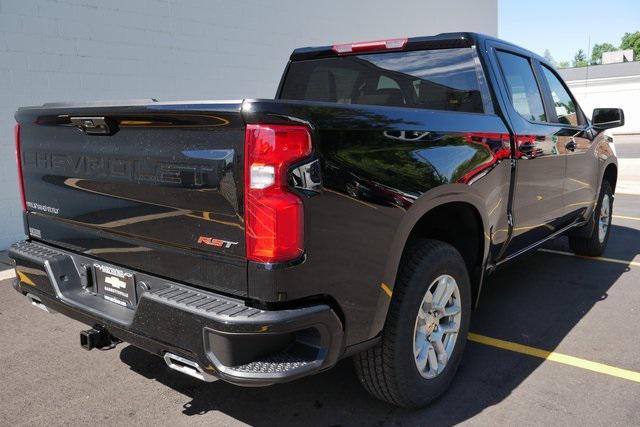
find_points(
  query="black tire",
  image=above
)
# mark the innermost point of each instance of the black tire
(588, 242)
(388, 371)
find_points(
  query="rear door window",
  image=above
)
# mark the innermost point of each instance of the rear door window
(523, 88)
(443, 79)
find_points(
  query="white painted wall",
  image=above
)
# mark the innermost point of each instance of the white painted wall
(622, 92)
(58, 50)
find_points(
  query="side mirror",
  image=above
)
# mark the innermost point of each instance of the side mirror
(607, 118)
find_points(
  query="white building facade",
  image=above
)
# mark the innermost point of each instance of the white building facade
(194, 49)
(609, 85)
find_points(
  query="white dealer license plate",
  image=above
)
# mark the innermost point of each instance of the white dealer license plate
(115, 285)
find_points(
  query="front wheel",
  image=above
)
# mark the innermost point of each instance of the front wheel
(595, 243)
(426, 329)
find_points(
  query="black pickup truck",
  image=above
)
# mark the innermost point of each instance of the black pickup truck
(357, 214)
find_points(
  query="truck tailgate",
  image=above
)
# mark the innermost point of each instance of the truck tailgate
(151, 186)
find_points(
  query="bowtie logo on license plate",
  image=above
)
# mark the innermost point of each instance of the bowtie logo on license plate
(115, 282)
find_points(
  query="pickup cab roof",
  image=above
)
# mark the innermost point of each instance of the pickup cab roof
(438, 41)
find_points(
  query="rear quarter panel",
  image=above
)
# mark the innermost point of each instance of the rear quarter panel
(382, 169)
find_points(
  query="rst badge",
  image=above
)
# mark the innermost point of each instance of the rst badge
(218, 243)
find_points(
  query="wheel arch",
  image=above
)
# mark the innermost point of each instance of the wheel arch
(460, 211)
(610, 174)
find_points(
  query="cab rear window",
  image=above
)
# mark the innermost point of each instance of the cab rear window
(442, 79)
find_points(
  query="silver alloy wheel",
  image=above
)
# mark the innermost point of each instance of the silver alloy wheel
(437, 325)
(605, 218)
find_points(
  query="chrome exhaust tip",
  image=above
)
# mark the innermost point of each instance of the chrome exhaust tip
(188, 367)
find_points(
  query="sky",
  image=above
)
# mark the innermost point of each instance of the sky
(564, 26)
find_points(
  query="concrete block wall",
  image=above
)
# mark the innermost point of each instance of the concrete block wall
(60, 50)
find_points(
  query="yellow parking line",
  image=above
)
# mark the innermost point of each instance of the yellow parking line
(556, 357)
(626, 217)
(595, 258)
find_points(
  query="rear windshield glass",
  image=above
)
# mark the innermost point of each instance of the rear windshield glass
(443, 79)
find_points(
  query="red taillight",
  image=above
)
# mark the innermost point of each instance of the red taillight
(349, 48)
(19, 166)
(273, 215)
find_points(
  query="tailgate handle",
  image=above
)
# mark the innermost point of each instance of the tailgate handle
(92, 125)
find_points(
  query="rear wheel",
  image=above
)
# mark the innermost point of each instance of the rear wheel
(595, 243)
(426, 329)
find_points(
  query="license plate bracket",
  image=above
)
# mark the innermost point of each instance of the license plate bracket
(115, 285)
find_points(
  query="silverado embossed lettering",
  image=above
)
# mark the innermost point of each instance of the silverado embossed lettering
(135, 170)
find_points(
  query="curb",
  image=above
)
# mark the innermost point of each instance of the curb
(7, 274)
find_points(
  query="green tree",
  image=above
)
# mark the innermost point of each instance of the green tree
(598, 50)
(564, 64)
(549, 57)
(632, 41)
(580, 60)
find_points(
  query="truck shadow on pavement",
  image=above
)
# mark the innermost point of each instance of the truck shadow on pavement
(537, 301)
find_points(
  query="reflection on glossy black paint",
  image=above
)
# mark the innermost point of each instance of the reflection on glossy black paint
(143, 120)
(394, 168)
